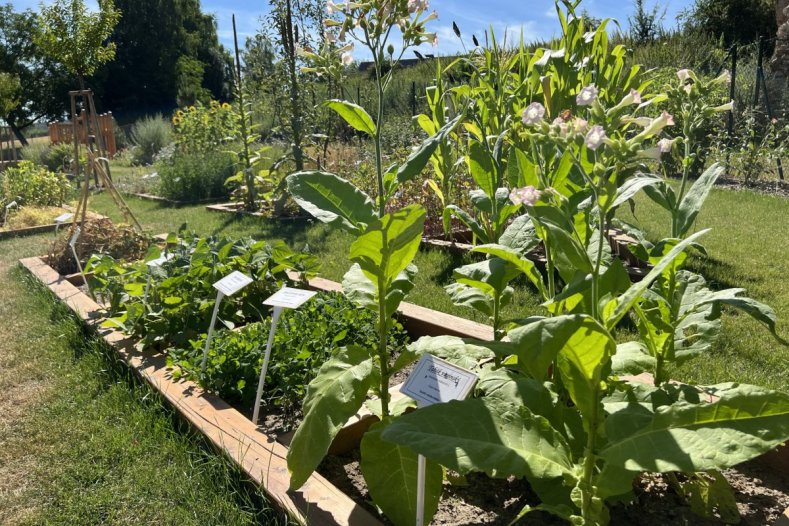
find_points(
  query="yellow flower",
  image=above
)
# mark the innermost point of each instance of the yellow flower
(191, 108)
(225, 106)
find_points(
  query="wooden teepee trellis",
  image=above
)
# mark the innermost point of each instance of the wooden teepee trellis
(97, 162)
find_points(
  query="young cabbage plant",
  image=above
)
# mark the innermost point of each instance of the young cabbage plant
(382, 275)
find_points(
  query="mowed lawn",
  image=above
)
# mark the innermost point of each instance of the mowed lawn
(747, 248)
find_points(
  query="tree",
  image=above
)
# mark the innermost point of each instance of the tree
(168, 53)
(77, 38)
(9, 93)
(43, 82)
(738, 21)
(646, 24)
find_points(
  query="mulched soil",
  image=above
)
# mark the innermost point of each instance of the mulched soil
(762, 496)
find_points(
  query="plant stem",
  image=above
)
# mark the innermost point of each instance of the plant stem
(589, 464)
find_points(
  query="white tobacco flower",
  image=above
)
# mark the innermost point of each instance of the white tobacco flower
(330, 37)
(726, 107)
(331, 8)
(417, 5)
(533, 114)
(587, 96)
(665, 145)
(561, 124)
(347, 58)
(528, 196)
(595, 138)
(683, 74)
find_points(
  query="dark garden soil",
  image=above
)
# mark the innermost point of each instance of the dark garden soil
(762, 496)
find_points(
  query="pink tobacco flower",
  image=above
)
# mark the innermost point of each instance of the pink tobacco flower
(527, 195)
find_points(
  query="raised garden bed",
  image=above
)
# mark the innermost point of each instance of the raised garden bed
(42, 229)
(172, 202)
(262, 457)
(461, 242)
(238, 208)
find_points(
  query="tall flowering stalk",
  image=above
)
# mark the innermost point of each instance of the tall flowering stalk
(385, 246)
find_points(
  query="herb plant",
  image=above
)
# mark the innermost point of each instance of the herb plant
(172, 304)
(305, 339)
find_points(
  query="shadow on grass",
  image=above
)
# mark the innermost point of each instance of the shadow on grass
(110, 372)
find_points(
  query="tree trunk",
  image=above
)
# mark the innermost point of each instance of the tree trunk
(780, 61)
(17, 132)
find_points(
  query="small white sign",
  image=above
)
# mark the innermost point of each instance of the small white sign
(232, 283)
(73, 241)
(289, 298)
(64, 217)
(158, 262)
(435, 381)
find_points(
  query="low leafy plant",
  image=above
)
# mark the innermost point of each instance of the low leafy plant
(172, 304)
(305, 339)
(32, 185)
(195, 176)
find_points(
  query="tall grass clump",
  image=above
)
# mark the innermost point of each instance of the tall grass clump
(149, 135)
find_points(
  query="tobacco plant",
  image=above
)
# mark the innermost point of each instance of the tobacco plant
(555, 402)
(383, 273)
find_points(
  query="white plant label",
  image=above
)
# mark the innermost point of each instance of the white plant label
(158, 262)
(435, 381)
(232, 283)
(73, 241)
(289, 298)
(64, 217)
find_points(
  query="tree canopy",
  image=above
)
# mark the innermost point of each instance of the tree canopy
(44, 83)
(168, 54)
(737, 21)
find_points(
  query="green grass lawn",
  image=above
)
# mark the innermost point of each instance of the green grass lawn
(747, 248)
(82, 442)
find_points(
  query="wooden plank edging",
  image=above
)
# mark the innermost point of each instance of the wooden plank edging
(260, 456)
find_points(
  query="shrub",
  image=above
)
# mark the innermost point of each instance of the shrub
(56, 157)
(188, 177)
(149, 135)
(32, 185)
(306, 338)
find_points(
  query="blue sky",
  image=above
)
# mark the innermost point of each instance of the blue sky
(537, 18)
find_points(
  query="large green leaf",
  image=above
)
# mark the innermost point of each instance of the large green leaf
(520, 235)
(334, 396)
(469, 221)
(332, 200)
(625, 302)
(473, 435)
(390, 471)
(417, 161)
(537, 344)
(513, 257)
(584, 361)
(744, 423)
(632, 358)
(465, 353)
(482, 168)
(389, 245)
(354, 115)
(491, 276)
(691, 204)
(471, 297)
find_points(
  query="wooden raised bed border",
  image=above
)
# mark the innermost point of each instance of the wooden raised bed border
(172, 202)
(237, 208)
(261, 457)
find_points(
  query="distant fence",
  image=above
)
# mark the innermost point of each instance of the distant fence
(62, 132)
